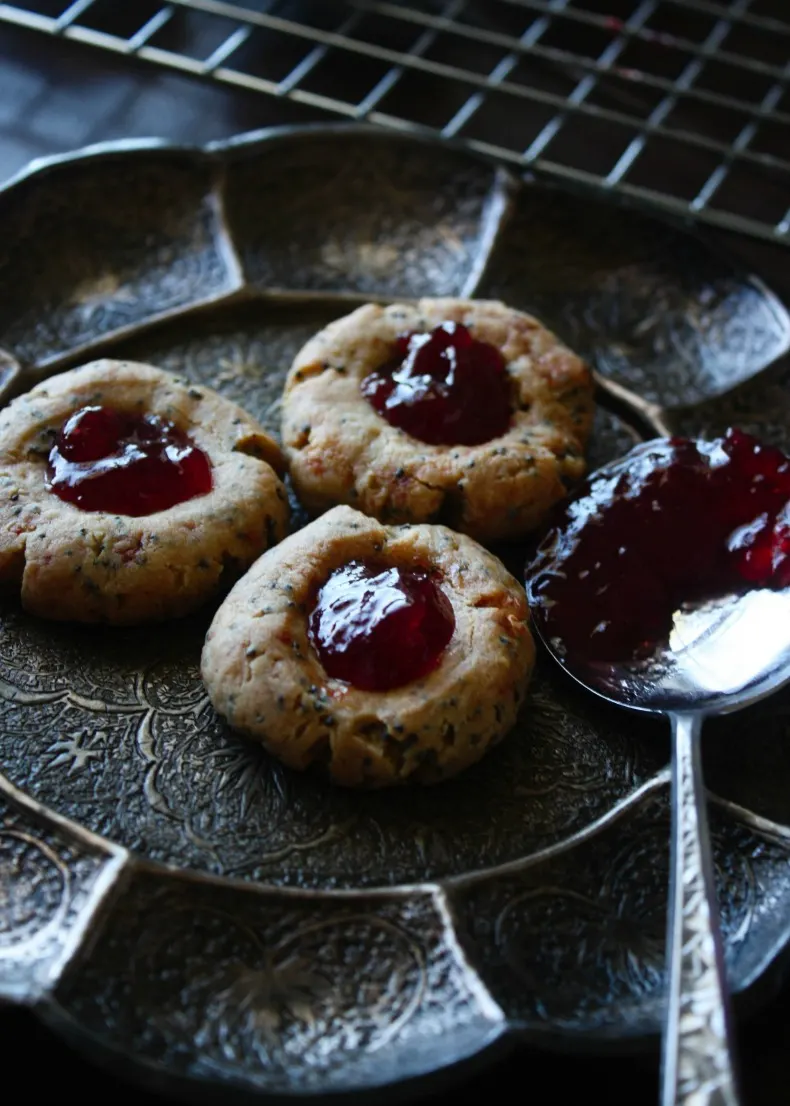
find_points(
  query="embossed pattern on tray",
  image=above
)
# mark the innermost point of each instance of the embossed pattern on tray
(48, 879)
(305, 994)
(649, 306)
(605, 905)
(138, 755)
(104, 250)
(393, 220)
(219, 267)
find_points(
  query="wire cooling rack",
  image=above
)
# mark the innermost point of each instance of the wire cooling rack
(681, 105)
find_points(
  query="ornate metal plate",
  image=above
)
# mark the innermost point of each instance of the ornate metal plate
(172, 898)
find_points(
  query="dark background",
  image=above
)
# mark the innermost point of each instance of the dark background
(57, 96)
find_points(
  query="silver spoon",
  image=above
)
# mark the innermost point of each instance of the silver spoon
(721, 656)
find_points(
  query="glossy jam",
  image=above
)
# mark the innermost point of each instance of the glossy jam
(445, 388)
(673, 522)
(107, 460)
(378, 628)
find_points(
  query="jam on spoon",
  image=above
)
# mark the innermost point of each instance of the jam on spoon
(378, 628)
(107, 460)
(444, 388)
(674, 522)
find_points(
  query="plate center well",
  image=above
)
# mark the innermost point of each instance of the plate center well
(113, 729)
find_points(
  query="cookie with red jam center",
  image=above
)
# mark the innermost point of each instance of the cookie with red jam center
(380, 655)
(126, 495)
(454, 411)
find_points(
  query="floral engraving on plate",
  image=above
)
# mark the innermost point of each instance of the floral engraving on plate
(372, 216)
(650, 307)
(33, 887)
(112, 246)
(126, 741)
(282, 991)
(45, 883)
(577, 942)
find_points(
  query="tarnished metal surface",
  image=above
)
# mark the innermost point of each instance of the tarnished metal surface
(376, 937)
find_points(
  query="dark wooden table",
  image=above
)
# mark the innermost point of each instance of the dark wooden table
(53, 100)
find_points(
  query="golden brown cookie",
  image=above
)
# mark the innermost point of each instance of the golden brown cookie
(265, 677)
(340, 450)
(97, 566)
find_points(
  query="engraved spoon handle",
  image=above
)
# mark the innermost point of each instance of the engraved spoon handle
(697, 1067)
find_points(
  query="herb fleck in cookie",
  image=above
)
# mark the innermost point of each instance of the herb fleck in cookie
(126, 495)
(466, 413)
(381, 654)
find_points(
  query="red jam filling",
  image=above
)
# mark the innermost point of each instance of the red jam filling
(674, 522)
(378, 628)
(445, 388)
(107, 460)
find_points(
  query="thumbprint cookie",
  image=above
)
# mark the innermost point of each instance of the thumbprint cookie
(126, 495)
(379, 654)
(465, 413)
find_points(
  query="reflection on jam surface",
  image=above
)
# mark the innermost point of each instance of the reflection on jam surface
(378, 628)
(107, 460)
(672, 522)
(445, 388)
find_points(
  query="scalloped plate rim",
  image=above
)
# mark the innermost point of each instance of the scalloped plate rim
(249, 144)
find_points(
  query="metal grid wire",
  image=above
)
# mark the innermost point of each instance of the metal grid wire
(681, 105)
